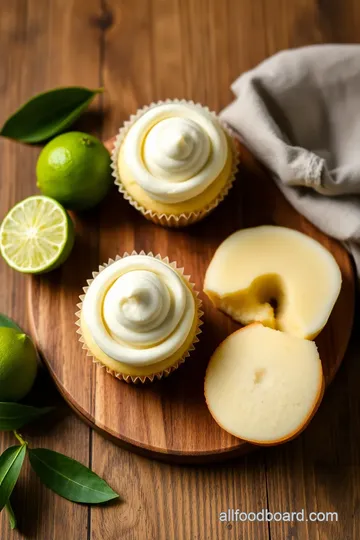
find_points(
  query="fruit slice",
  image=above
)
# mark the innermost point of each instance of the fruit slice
(264, 386)
(36, 236)
(276, 276)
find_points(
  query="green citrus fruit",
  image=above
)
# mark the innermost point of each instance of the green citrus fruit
(18, 364)
(74, 169)
(36, 236)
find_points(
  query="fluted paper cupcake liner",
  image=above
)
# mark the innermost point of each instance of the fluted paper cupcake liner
(172, 220)
(157, 375)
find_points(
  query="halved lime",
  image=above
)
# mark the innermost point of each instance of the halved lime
(36, 236)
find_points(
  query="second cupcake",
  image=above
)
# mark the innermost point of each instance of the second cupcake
(174, 162)
(139, 317)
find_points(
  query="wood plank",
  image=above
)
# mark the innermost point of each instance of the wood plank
(42, 45)
(166, 502)
(156, 50)
(319, 471)
(317, 479)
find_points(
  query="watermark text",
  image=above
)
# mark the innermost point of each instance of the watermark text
(232, 514)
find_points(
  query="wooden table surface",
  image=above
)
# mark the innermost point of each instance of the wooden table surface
(140, 51)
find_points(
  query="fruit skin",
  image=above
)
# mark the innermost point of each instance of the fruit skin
(74, 169)
(18, 364)
(70, 240)
(67, 249)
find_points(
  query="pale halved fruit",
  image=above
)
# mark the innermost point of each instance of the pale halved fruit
(263, 385)
(276, 276)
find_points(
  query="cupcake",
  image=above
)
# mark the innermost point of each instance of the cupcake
(139, 317)
(174, 162)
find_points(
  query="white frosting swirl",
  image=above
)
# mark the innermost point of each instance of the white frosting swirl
(175, 151)
(138, 310)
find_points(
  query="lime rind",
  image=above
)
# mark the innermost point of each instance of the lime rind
(36, 236)
(74, 169)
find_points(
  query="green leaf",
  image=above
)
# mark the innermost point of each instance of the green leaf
(9, 323)
(15, 415)
(48, 114)
(10, 466)
(11, 515)
(69, 478)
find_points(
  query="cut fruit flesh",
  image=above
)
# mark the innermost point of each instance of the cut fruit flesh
(255, 268)
(36, 235)
(263, 385)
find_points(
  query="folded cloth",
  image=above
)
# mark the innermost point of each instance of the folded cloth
(299, 114)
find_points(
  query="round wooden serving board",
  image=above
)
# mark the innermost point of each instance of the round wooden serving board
(167, 419)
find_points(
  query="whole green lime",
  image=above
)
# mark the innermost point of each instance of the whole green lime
(18, 364)
(74, 169)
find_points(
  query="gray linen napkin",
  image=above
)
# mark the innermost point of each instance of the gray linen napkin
(299, 113)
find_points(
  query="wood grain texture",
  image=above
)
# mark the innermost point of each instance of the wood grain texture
(148, 50)
(36, 41)
(168, 419)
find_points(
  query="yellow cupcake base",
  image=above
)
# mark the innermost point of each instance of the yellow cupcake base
(140, 374)
(179, 214)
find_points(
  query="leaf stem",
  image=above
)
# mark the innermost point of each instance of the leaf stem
(19, 437)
